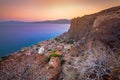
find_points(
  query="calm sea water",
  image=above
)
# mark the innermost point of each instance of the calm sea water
(16, 36)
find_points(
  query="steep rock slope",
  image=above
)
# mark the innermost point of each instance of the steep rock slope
(81, 26)
(98, 44)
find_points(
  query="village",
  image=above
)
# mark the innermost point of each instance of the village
(49, 52)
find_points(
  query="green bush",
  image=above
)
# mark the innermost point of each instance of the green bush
(68, 49)
(54, 55)
(47, 59)
(70, 41)
(53, 51)
(3, 58)
(62, 62)
(49, 50)
(39, 45)
(37, 49)
(51, 55)
(57, 39)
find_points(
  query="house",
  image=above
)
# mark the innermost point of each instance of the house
(41, 50)
(27, 53)
(67, 46)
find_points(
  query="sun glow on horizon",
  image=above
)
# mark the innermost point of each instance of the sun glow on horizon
(37, 10)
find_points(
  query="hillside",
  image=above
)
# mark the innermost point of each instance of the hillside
(59, 21)
(90, 50)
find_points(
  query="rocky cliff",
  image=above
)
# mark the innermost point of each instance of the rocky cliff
(81, 27)
(98, 39)
(90, 50)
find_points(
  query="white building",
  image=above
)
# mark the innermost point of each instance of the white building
(41, 50)
(67, 46)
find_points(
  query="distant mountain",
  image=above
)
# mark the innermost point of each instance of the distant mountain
(60, 21)
(15, 21)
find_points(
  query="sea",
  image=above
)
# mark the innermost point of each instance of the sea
(14, 36)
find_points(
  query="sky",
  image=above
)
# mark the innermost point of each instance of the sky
(38, 10)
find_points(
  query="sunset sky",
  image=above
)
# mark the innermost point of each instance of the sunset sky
(37, 10)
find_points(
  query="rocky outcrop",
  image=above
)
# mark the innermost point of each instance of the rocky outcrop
(81, 27)
(98, 49)
(106, 28)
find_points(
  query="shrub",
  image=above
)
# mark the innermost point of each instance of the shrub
(70, 41)
(37, 49)
(49, 50)
(62, 62)
(47, 59)
(3, 58)
(68, 49)
(57, 39)
(54, 55)
(51, 55)
(39, 45)
(53, 51)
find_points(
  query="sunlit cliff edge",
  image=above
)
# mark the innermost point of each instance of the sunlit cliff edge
(90, 50)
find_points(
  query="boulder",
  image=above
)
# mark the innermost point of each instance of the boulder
(55, 62)
(74, 51)
(59, 52)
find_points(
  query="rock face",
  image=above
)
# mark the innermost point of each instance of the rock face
(90, 50)
(81, 27)
(98, 37)
(106, 28)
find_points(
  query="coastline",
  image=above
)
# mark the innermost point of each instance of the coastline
(16, 36)
(32, 44)
(33, 48)
(47, 55)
